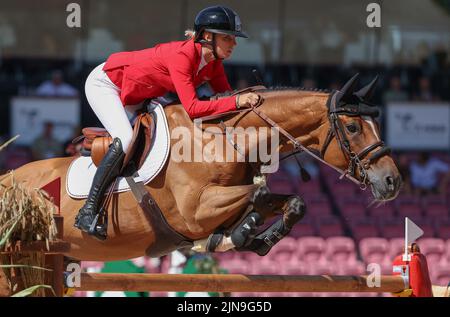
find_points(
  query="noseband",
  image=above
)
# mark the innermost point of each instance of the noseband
(357, 161)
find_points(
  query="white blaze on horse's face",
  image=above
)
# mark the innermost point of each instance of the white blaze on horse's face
(369, 120)
(379, 176)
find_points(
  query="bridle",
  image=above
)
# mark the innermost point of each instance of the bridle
(360, 161)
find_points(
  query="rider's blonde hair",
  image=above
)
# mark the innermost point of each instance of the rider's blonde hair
(190, 34)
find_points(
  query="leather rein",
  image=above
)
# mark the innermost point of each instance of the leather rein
(357, 161)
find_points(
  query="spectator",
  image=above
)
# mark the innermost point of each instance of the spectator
(425, 93)
(395, 91)
(71, 149)
(425, 174)
(56, 87)
(46, 146)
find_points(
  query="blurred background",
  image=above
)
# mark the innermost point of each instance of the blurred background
(311, 44)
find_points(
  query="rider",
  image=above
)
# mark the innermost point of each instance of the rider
(117, 88)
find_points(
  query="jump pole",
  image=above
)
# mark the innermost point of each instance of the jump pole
(140, 282)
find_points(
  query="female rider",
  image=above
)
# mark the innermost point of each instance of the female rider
(117, 88)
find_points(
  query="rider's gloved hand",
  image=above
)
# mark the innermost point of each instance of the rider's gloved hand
(247, 100)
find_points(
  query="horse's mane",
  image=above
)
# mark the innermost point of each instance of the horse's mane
(274, 89)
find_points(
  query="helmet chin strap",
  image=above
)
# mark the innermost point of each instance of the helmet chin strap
(214, 47)
(213, 44)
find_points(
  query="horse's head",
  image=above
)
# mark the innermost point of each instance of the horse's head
(353, 141)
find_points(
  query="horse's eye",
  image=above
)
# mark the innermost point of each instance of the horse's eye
(352, 128)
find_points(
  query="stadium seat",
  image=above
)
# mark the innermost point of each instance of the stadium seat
(340, 249)
(374, 250)
(383, 211)
(432, 248)
(237, 266)
(310, 248)
(284, 250)
(396, 247)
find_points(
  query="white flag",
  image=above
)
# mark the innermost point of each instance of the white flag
(412, 233)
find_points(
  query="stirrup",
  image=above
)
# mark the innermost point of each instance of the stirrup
(99, 231)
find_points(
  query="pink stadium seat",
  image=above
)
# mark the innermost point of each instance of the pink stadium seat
(296, 268)
(281, 187)
(316, 198)
(350, 268)
(364, 230)
(437, 211)
(280, 175)
(447, 250)
(329, 226)
(227, 256)
(310, 188)
(443, 230)
(441, 275)
(340, 249)
(322, 267)
(318, 209)
(310, 248)
(353, 210)
(92, 265)
(331, 230)
(396, 247)
(392, 228)
(374, 250)
(266, 268)
(432, 248)
(303, 230)
(435, 199)
(383, 211)
(284, 250)
(407, 199)
(343, 189)
(412, 211)
(237, 266)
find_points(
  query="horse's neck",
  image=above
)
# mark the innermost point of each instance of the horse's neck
(302, 114)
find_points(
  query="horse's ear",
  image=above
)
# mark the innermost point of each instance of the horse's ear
(366, 92)
(347, 91)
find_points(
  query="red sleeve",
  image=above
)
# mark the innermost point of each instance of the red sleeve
(181, 71)
(219, 83)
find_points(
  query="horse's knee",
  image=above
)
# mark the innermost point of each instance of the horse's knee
(295, 211)
(262, 200)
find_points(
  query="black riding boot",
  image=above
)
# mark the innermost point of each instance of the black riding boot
(107, 172)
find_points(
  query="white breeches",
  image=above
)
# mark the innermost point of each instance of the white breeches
(104, 98)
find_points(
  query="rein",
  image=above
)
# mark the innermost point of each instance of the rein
(357, 161)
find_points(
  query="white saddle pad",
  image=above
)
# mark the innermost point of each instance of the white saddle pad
(82, 170)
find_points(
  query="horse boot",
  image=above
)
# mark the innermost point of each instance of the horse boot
(245, 232)
(108, 170)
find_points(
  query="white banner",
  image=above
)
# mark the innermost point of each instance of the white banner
(418, 125)
(28, 115)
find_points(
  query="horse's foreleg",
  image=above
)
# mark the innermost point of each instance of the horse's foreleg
(293, 208)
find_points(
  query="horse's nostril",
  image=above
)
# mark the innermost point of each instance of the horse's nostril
(390, 182)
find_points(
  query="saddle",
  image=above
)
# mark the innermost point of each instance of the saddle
(96, 141)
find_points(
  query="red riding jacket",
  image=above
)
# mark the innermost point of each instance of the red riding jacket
(169, 67)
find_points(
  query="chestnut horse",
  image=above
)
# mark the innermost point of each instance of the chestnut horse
(196, 198)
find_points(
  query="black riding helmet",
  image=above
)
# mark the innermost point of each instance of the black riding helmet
(217, 19)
